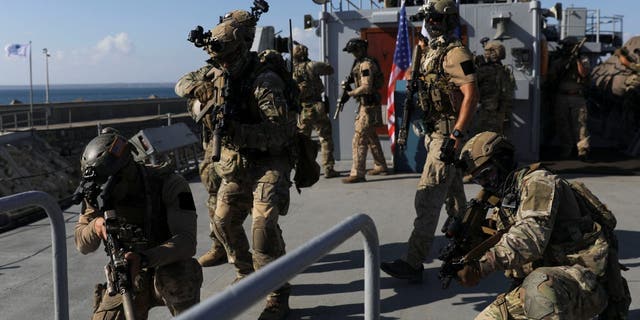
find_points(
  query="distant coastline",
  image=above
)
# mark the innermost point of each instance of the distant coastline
(93, 85)
(86, 92)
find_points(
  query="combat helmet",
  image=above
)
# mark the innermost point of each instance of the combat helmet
(244, 19)
(484, 148)
(105, 155)
(355, 44)
(228, 45)
(494, 51)
(440, 16)
(300, 53)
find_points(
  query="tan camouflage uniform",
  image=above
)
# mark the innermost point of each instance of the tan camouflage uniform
(496, 85)
(255, 164)
(570, 112)
(314, 114)
(208, 175)
(557, 251)
(172, 278)
(439, 181)
(368, 117)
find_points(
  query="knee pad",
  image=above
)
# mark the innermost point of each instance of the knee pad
(540, 296)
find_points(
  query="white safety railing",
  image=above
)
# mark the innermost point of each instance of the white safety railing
(242, 295)
(59, 244)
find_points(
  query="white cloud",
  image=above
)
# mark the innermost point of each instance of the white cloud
(118, 45)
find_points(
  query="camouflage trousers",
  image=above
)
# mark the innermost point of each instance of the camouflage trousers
(261, 188)
(211, 182)
(365, 138)
(439, 184)
(314, 116)
(489, 120)
(570, 116)
(551, 293)
(176, 285)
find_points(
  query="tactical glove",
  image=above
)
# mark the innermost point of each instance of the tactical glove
(469, 276)
(204, 92)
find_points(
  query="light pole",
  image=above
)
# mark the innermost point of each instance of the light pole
(46, 62)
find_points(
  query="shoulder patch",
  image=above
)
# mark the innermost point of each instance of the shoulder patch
(467, 67)
(537, 196)
(185, 201)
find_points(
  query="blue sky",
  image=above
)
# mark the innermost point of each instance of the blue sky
(126, 41)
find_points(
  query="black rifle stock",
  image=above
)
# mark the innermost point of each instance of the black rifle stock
(468, 237)
(408, 105)
(117, 270)
(344, 97)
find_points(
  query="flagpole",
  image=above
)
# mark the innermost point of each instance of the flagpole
(30, 89)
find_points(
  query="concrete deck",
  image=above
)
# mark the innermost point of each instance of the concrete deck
(333, 288)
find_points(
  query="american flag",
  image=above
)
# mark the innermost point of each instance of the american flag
(401, 62)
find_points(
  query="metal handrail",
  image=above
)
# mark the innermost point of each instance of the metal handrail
(59, 244)
(242, 295)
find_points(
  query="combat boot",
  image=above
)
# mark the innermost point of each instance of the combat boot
(213, 257)
(400, 269)
(378, 171)
(353, 179)
(277, 308)
(330, 173)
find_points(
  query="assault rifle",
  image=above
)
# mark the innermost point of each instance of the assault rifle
(470, 236)
(412, 87)
(573, 55)
(219, 116)
(346, 87)
(220, 113)
(117, 270)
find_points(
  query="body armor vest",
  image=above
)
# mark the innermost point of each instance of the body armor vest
(146, 212)
(309, 84)
(439, 98)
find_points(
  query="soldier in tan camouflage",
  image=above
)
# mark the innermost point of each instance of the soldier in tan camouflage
(254, 119)
(554, 239)
(368, 79)
(314, 114)
(217, 254)
(448, 97)
(570, 76)
(496, 87)
(160, 259)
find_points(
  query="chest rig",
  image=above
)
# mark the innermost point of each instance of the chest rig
(439, 98)
(309, 84)
(144, 214)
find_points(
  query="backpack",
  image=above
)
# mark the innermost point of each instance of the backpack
(378, 77)
(307, 169)
(615, 284)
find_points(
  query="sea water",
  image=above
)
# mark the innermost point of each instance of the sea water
(87, 92)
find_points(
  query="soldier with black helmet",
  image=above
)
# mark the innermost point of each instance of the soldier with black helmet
(553, 238)
(156, 207)
(314, 113)
(250, 110)
(448, 98)
(368, 78)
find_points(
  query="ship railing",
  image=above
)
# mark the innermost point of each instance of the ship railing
(242, 295)
(604, 29)
(59, 244)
